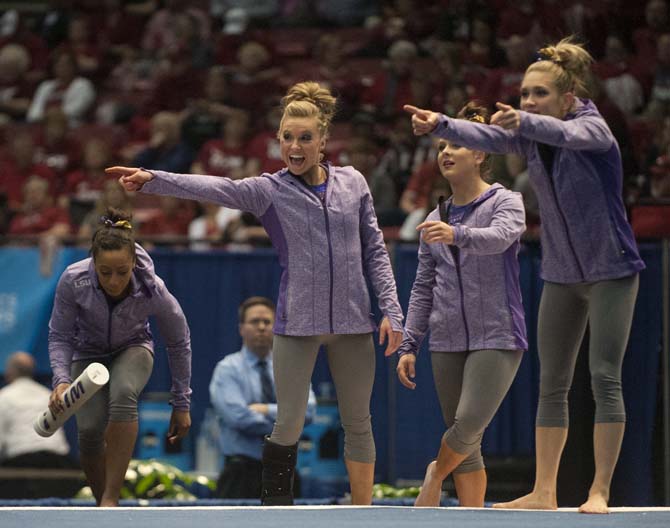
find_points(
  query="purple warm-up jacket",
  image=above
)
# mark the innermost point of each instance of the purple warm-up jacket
(470, 299)
(326, 250)
(585, 234)
(83, 327)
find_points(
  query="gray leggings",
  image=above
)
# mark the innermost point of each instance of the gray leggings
(564, 311)
(351, 359)
(129, 372)
(470, 387)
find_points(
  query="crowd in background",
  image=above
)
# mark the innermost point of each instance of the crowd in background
(193, 86)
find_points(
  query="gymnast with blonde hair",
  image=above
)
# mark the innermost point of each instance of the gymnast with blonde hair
(321, 221)
(590, 260)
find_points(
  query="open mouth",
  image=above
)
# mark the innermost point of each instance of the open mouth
(296, 162)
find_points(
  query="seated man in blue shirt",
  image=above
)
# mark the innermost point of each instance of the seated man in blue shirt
(242, 393)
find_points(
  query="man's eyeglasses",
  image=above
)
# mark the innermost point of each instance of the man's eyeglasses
(259, 321)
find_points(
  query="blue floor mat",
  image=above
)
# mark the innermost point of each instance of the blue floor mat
(327, 517)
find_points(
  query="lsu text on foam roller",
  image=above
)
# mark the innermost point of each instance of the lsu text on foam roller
(94, 377)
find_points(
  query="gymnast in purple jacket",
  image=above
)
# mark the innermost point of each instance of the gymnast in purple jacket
(467, 293)
(590, 261)
(100, 314)
(321, 221)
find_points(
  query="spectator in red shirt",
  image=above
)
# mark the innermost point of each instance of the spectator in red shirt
(646, 37)
(541, 18)
(112, 195)
(253, 74)
(332, 69)
(38, 215)
(362, 153)
(171, 220)
(263, 150)
(17, 32)
(203, 118)
(174, 78)
(55, 147)
(456, 97)
(80, 42)
(420, 18)
(420, 185)
(614, 70)
(404, 153)
(391, 89)
(236, 29)
(482, 49)
(503, 84)
(15, 90)
(118, 28)
(659, 187)
(208, 229)
(226, 156)
(84, 186)
(66, 89)
(162, 32)
(659, 99)
(166, 150)
(18, 166)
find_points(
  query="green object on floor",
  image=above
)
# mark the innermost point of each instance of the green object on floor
(151, 479)
(386, 491)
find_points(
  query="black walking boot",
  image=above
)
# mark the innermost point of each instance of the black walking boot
(278, 472)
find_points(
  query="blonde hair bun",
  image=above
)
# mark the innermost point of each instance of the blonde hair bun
(310, 99)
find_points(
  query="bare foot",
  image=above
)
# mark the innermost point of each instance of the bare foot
(533, 501)
(595, 504)
(430, 493)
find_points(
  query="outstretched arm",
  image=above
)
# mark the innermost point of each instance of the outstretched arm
(583, 133)
(475, 136)
(250, 194)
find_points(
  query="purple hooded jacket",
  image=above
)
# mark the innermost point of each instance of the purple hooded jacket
(585, 234)
(325, 251)
(82, 326)
(470, 299)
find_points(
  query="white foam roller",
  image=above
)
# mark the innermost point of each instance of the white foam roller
(94, 377)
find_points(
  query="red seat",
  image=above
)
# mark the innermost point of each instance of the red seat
(292, 42)
(651, 221)
(641, 135)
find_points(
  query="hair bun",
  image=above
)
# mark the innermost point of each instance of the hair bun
(570, 64)
(116, 218)
(549, 54)
(474, 112)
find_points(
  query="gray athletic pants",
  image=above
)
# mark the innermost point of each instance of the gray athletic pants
(471, 386)
(564, 311)
(351, 358)
(129, 372)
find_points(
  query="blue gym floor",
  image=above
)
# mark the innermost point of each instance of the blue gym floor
(324, 516)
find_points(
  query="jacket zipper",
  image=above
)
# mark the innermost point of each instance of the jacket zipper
(456, 255)
(330, 252)
(330, 265)
(110, 311)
